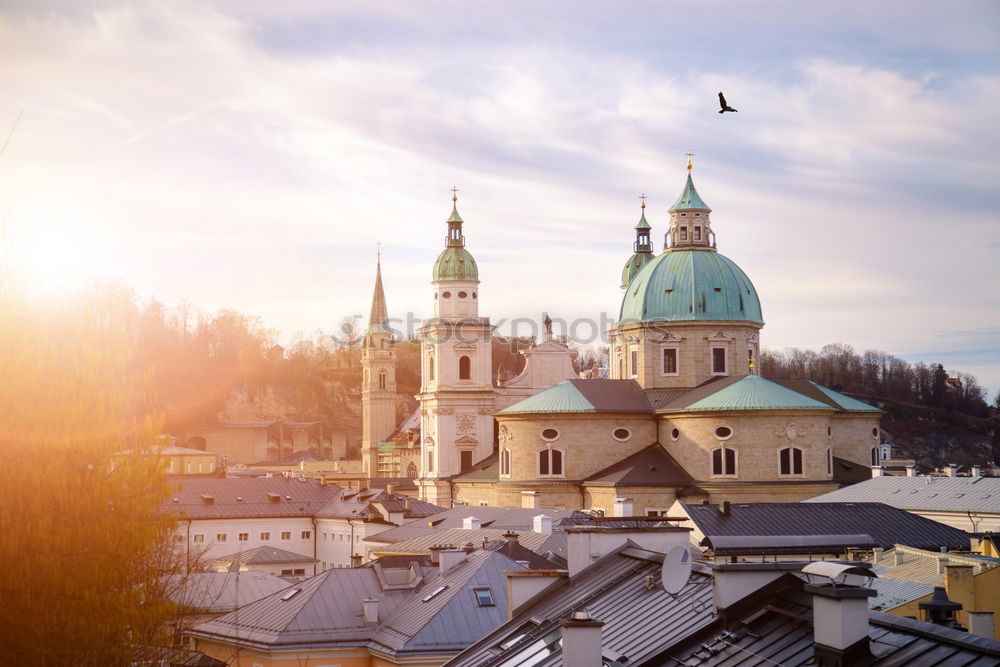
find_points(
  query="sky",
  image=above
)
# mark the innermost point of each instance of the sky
(250, 155)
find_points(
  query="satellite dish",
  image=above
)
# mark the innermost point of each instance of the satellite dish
(676, 570)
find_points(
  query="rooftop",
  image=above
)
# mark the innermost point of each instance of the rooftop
(264, 555)
(947, 494)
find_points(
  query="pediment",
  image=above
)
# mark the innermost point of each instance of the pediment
(721, 335)
(466, 440)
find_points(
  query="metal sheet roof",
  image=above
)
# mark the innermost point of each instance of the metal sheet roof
(893, 593)
(638, 620)
(575, 396)
(505, 518)
(753, 392)
(220, 592)
(249, 497)
(689, 198)
(922, 566)
(265, 555)
(944, 494)
(828, 396)
(887, 525)
(459, 537)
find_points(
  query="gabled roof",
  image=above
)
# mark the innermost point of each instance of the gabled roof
(652, 466)
(888, 526)
(922, 566)
(265, 555)
(459, 537)
(249, 497)
(353, 504)
(943, 494)
(575, 396)
(326, 610)
(638, 620)
(749, 392)
(220, 592)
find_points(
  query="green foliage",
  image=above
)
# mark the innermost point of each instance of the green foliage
(84, 543)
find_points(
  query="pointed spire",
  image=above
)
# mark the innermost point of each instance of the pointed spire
(379, 318)
(455, 237)
(642, 220)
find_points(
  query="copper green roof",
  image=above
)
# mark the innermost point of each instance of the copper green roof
(456, 263)
(753, 392)
(455, 217)
(690, 284)
(635, 264)
(689, 198)
(642, 224)
(621, 396)
(846, 403)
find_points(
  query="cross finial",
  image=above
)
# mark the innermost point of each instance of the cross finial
(689, 155)
(454, 193)
(378, 252)
(643, 198)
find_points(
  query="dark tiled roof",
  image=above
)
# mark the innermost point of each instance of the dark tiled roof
(662, 396)
(652, 466)
(614, 395)
(487, 470)
(888, 526)
(249, 497)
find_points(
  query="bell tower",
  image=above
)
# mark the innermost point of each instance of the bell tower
(457, 396)
(378, 380)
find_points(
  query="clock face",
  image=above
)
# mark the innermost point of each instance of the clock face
(466, 423)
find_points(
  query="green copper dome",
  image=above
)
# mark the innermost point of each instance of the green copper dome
(690, 284)
(634, 265)
(689, 199)
(455, 263)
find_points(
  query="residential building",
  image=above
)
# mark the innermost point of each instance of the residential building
(274, 561)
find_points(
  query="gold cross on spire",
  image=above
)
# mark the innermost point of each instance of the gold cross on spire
(689, 155)
(378, 251)
(454, 193)
(643, 198)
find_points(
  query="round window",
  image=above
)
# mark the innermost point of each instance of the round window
(621, 434)
(462, 295)
(446, 295)
(675, 433)
(474, 295)
(875, 432)
(549, 434)
(723, 432)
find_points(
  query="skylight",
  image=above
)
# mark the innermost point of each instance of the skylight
(484, 597)
(290, 594)
(437, 591)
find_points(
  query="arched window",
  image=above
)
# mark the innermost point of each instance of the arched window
(829, 462)
(411, 470)
(464, 368)
(381, 379)
(430, 367)
(550, 463)
(790, 461)
(505, 463)
(724, 461)
(875, 457)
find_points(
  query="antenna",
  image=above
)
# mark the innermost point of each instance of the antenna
(676, 570)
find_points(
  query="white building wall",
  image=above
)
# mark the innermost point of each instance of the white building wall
(210, 547)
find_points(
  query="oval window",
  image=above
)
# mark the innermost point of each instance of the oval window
(549, 434)
(462, 295)
(474, 295)
(875, 432)
(446, 295)
(723, 432)
(675, 433)
(621, 434)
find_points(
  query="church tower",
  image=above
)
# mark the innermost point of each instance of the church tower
(690, 314)
(378, 381)
(642, 249)
(456, 395)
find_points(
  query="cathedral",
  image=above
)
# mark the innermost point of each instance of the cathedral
(684, 413)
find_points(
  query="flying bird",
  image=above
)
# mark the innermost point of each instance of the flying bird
(725, 106)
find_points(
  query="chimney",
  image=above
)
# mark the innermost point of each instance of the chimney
(876, 554)
(942, 563)
(911, 471)
(897, 557)
(878, 471)
(939, 610)
(951, 470)
(389, 489)
(622, 507)
(370, 606)
(840, 624)
(981, 623)
(523, 585)
(542, 524)
(435, 553)
(356, 560)
(977, 471)
(585, 544)
(470, 523)
(469, 548)
(724, 508)
(407, 504)
(529, 499)
(581, 641)
(449, 558)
